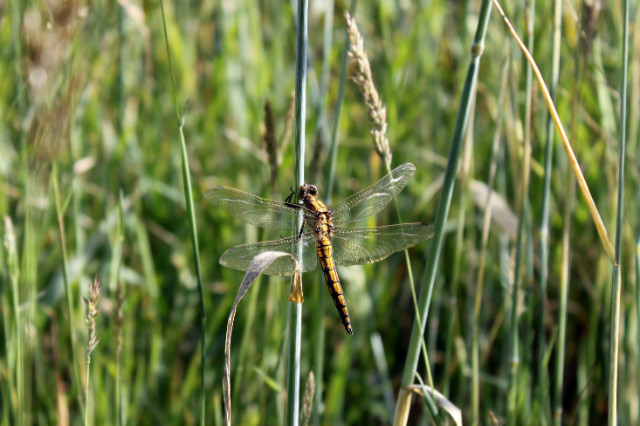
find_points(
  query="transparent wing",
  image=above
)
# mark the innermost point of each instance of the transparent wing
(239, 257)
(255, 210)
(371, 200)
(357, 246)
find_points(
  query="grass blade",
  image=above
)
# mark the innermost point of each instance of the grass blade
(188, 196)
(295, 324)
(401, 414)
(616, 278)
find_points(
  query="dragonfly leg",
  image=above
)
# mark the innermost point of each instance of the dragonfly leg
(290, 197)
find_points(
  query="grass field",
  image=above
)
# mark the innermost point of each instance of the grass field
(117, 116)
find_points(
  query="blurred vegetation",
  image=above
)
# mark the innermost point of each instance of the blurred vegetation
(86, 104)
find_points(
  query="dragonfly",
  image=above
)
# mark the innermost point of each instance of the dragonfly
(323, 236)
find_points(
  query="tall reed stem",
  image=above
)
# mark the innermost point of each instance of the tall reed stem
(295, 324)
(616, 280)
(193, 227)
(512, 398)
(65, 278)
(411, 363)
(543, 377)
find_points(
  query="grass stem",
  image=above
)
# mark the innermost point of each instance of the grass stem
(295, 323)
(543, 377)
(616, 278)
(193, 227)
(442, 212)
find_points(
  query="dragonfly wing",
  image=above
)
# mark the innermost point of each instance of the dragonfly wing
(239, 257)
(371, 200)
(357, 246)
(255, 210)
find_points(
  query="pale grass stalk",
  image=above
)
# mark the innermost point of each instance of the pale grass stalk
(564, 292)
(616, 279)
(543, 376)
(91, 312)
(582, 183)
(295, 323)
(486, 226)
(118, 322)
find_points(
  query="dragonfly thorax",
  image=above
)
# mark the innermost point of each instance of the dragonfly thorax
(308, 195)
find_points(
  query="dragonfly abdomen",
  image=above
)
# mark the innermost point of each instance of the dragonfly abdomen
(325, 256)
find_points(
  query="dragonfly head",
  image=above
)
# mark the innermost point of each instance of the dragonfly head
(307, 191)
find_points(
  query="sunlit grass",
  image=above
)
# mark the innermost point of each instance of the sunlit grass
(88, 89)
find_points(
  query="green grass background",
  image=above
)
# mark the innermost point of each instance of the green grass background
(86, 104)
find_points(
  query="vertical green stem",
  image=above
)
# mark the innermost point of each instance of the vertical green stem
(120, 238)
(22, 355)
(295, 325)
(188, 195)
(543, 379)
(67, 287)
(86, 392)
(193, 227)
(616, 284)
(637, 261)
(520, 243)
(486, 226)
(333, 148)
(442, 212)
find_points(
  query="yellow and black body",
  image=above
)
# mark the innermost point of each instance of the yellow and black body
(323, 229)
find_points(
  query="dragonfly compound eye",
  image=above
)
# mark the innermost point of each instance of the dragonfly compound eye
(313, 191)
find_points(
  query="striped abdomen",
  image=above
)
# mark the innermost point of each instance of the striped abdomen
(325, 256)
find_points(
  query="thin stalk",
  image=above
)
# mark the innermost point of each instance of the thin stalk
(188, 195)
(22, 409)
(637, 261)
(616, 284)
(65, 279)
(486, 226)
(333, 148)
(193, 227)
(564, 293)
(543, 377)
(92, 312)
(86, 393)
(411, 363)
(512, 397)
(295, 324)
(15, 362)
(558, 409)
(119, 319)
(331, 174)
